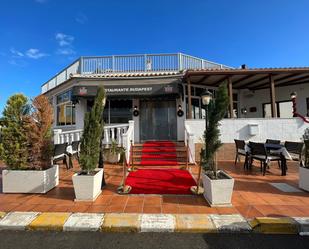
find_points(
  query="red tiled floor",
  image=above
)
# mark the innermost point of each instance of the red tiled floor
(253, 196)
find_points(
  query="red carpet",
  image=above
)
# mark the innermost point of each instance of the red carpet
(159, 153)
(160, 181)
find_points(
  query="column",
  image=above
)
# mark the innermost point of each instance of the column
(230, 91)
(272, 97)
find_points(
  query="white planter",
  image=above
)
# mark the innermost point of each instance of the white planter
(218, 192)
(87, 187)
(303, 178)
(30, 181)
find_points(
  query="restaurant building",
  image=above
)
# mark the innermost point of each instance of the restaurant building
(161, 93)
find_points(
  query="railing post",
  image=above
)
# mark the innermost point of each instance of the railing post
(187, 156)
(81, 64)
(113, 63)
(119, 136)
(106, 136)
(131, 153)
(179, 62)
(57, 133)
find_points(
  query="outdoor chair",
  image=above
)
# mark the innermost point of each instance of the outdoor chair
(272, 141)
(258, 152)
(75, 148)
(60, 153)
(295, 149)
(240, 150)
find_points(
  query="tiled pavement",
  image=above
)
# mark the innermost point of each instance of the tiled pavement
(253, 196)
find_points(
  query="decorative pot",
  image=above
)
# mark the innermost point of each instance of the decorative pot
(87, 187)
(303, 178)
(113, 157)
(30, 181)
(218, 192)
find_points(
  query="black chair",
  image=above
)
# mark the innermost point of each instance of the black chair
(258, 152)
(272, 141)
(60, 153)
(295, 149)
(75, 148)
(240, 149)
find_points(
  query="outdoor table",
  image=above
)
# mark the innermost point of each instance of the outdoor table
(278, 149)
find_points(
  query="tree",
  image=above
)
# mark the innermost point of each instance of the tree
(13, 148)
(216, 111)
(93, 129)
(38, 128)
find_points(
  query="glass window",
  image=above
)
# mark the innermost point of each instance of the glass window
(117, 111)
(284, 109)
(65, 109)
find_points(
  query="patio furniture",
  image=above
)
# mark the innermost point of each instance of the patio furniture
(259, 152)
(75, 148)
(272, 141)
(295, 149)
(240, 150)
(60, 153)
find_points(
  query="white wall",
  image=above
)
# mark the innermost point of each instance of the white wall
(282, 94)
(230, 129)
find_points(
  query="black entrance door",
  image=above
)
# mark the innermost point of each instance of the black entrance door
(158, 120)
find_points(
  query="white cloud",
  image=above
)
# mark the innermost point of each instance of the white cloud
(64, 40)
(16, 53)
(81, 18)
(35, 53)
(65, 51)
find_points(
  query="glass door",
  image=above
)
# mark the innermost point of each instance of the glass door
(158, 120)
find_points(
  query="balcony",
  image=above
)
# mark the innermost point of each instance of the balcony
(129, 64)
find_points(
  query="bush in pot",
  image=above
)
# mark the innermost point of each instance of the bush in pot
(87, 183)
(304, 166)
(27, 146)
(114, 152)
(218, 185)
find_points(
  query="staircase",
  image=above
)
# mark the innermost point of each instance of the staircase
(159, 154)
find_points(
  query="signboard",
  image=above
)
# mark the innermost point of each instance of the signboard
(130, 91)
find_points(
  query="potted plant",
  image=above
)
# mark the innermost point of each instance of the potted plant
(26, 146)
(218, 185)
(113, 152)
(304, 165)
(87, 182)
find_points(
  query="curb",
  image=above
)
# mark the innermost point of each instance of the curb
(126, 222)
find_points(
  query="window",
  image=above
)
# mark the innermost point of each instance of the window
(65, 109)
(284, 109)
(117, 111)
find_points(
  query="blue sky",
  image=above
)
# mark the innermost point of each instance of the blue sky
(40, 37)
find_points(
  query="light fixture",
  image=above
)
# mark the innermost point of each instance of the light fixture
(293, 95)
(206, 97)
(244, 110)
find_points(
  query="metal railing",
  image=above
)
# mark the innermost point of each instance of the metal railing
(86, 65)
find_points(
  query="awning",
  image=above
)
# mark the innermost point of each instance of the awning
(129, 91)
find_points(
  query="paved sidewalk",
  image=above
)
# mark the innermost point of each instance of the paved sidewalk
(254, 196)
(115, 222)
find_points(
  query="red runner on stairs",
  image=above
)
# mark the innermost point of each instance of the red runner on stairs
(160, 181)
(158, 153)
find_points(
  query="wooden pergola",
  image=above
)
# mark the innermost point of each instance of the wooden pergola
(252, 79)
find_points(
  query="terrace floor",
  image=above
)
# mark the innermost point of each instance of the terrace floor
(253, 196)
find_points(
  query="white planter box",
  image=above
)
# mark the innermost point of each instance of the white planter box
(87, 187)
(303, 178)
(30, 181)
(218, 192)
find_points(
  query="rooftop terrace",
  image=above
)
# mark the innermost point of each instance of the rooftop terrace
(103, 65)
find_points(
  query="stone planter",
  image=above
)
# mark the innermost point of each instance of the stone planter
(303, 178)
(87, 187)
(113, 158)
(30, 181)
(218, 192)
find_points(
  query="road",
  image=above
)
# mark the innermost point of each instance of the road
(96, 240)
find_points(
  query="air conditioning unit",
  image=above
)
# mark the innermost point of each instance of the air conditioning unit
(248, 93)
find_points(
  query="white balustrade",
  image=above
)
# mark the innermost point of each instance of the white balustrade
(61, 137)
(189, 142)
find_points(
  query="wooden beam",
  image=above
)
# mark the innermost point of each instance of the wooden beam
(220, 80)
(202, 79)
(243, 79)
(272, 96)
(230, 91)
(253, 82)
(189, 99)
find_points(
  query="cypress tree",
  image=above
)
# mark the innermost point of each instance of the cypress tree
(14, 145)
(216, 111)
(92, 135)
